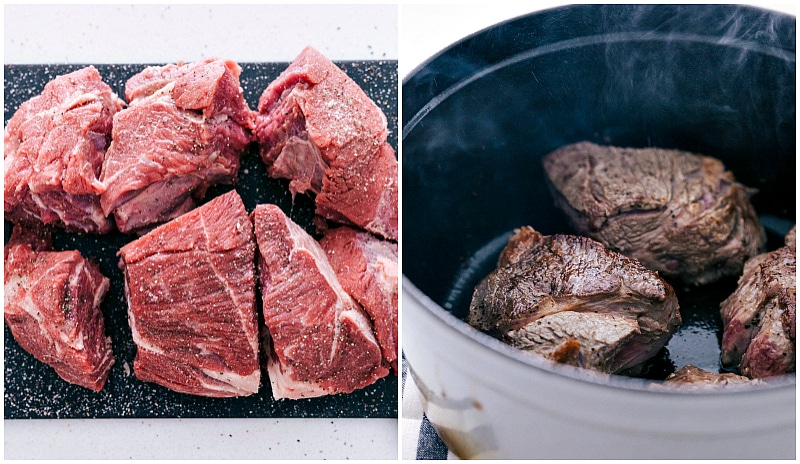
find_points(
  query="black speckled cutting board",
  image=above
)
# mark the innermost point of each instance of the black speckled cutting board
(33, 390)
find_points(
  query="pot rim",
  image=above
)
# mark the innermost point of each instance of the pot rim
(579, 41)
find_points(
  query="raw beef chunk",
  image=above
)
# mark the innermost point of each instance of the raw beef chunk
(54, 149)
(190, 286)
(367, 269)
(759, 317)
(52, 306)
(690, 377)
(320, 340)
(677, 213)
(319, 129)
(183, 132)
(574, 301)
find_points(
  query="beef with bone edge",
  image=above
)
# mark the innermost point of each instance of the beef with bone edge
(55, 144)
(759, 317)
(184, 129)
(678, 213)
(317, 127)
(319, 341)
(366, 266)
(52, 306)
(190, 286)
(574, 301)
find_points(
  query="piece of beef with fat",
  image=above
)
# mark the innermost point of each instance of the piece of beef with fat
(366, 266)
(52, 306)
(574, 301)
(320, 341)
(184, 130)
(759, 317)
(190, 286)
(678, 213)
(692, 378)
(317, 127)
(55, 145)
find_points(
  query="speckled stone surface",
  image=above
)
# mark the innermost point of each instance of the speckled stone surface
(33, 390)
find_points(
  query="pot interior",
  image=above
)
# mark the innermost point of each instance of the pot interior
(477, 118)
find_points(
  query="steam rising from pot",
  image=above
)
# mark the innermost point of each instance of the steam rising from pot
(712, 79)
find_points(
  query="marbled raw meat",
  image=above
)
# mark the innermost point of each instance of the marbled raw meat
(184, 129)
(366, 266)
(190, 286)
(317, 127)
(55, 145)
(320, 341)
(52, 306)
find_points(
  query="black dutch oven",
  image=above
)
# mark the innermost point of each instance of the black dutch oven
(477, 118)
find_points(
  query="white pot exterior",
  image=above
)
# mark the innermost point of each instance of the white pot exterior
(487, 403)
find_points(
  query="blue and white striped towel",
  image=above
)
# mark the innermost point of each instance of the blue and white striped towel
(419, 439)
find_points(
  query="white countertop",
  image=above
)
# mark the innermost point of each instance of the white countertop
(157, 33)
(107, 34)
(307, 439)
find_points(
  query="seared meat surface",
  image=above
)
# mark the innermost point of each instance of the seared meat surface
(690, 377)
(759, 318)
(678, 213)
(589, 340)
(575, 301)
(791, 238)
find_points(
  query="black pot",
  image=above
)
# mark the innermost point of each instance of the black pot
(477, 118)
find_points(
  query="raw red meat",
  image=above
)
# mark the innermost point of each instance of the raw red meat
(183, 132)
(52, 306)
(320, 340)
(190, 286)
(317, 127)
(54, 149)
(366, 266)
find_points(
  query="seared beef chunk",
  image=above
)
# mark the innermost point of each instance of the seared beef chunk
(182, 133)
(690, 377)
(319, 340)
(319, 129)
(366, 266)
(759, 317)
(575, 301)
(54, 149)
(791, 238)
(590, 340)
(190, 286)
(677, 213)
(52, 306)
